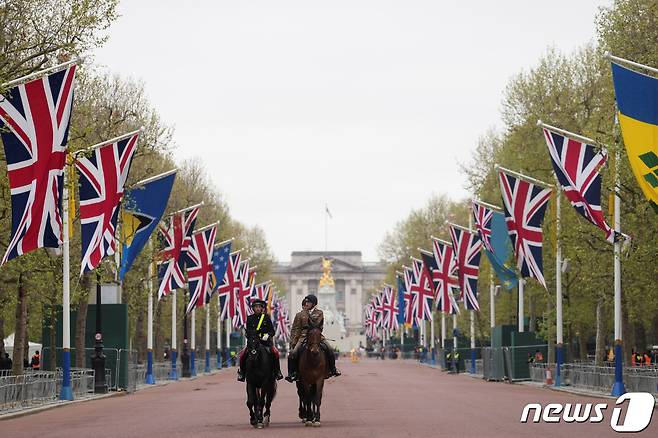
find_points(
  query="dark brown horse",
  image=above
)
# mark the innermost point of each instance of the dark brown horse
(312, 372)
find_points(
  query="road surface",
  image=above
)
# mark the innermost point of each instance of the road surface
(371, 399)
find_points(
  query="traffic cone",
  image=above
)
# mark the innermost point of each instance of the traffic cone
(549, 376)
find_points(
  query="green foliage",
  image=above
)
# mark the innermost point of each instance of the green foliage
(573, 92)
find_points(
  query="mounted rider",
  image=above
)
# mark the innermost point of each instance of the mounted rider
(260, 324)
(309, 315)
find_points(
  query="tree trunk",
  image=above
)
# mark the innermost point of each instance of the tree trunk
(582, 343)
(2, 336)
(599, 355)
(140, 337)
(627, 336)
(532, 326)
(81, 321)
(158, 333)
(20, 326)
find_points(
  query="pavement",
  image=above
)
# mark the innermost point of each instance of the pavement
(372, 398)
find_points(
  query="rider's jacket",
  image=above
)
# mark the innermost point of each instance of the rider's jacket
(302, 323)
(266, 325)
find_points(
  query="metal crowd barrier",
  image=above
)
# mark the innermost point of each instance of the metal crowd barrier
(27, 390)
(600, 378)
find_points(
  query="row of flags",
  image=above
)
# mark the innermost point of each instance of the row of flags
(515, 230)
(35, 116)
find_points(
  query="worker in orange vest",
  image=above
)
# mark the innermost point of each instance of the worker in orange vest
(35, 363)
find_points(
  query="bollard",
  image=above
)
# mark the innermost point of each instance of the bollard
(549, 376)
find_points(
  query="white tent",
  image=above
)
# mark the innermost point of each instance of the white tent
(9, 347)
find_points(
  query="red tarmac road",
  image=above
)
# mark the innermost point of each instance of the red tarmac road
(371, 399)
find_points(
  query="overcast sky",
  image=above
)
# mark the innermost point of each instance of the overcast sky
(367, 106)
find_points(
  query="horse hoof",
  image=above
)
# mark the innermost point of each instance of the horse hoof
(308, 423)
(259, 426)
(266, 423)
(316, 424)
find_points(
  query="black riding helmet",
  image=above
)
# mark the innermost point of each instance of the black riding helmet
(312, 298)
(256, 301)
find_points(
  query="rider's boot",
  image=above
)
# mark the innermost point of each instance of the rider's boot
(292, 369)
(331, 361)
(277, 369)
(241, 376)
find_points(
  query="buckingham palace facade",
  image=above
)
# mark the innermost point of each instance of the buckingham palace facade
(355, 280)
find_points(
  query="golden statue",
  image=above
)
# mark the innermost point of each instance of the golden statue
(327, 279)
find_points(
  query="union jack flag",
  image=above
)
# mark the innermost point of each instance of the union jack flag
(228, 290)
(467, 254)
(577, 166)
(370, 321)
(483, 217)
(176, 236)
(390, 309)
(410, 298)
(281, 318)
(378, 308)
(423, 290)
(102, 179)
(525, 205)
(199, 266)
(262, 291)
(243, 310)
(445, 280)
(37, 114)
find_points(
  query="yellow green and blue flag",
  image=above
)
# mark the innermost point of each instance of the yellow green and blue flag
(637, 103)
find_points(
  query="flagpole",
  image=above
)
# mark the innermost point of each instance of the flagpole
(524, 177)
(149, 336)
(110, 141)
(443, 330)
(432, 352)
(326, 232)
(153, 178)
(43, 72)
(566, 133)
(219, 333)
(174, 341)
(66, 392)
(472, 371)
(612, 57)
(558, 289)
(454, 341)
(492, 301)
(521, 305)
(618, 387)
(207, 369)
(228, 341)
(193, 344)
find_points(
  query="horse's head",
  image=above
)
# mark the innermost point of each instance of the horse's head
(313, 339)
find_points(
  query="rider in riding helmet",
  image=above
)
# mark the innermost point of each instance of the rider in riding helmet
(259, 323)
(310, 314)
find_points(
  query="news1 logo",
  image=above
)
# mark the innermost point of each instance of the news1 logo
(638, 412)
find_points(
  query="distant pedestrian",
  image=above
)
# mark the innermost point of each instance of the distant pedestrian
(35, 363)
(531, 359)
(539, 357)
(8, 362)
(647, 358)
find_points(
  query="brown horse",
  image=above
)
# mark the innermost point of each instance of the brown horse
(312, 372)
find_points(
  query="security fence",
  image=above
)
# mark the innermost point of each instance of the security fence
(40, 387)
(599, 378)
(27, 390)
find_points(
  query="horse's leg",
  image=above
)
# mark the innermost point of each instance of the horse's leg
(251, 396)
(269, 396)
(318, 401)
